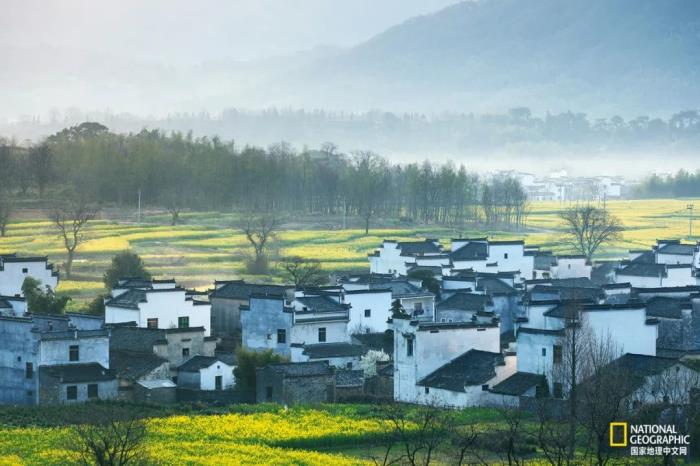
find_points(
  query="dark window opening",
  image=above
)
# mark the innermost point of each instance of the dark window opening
(29, 371)
(93, 390)
(268, 393)
(281, 335)
(544, 351)
(485, 387)
(322, 335)
(72, 392)
(409, 346)
(74, 353)
(25, 270)
(427, 390)
(152, 323)
(368, 313)
(183, 322)
(185, 351)
(218, 382)
(505, 255)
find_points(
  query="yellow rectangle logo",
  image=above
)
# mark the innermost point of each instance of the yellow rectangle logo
(615, 429)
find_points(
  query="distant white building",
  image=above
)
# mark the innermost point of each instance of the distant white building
(205, 373)
(15, 269)
(158, 304)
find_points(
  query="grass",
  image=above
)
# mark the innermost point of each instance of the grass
(207, 247)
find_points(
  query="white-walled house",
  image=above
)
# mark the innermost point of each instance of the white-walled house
(157, 305)
(369, 309)
(571, 266)
(541, 334)
(205, 373)
(649, 275)
(392, 257)
(15, 269)
(422, 348)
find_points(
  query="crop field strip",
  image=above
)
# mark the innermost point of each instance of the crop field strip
(206, 247)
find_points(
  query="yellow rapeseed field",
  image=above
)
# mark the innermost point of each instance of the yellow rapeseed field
(207, 247)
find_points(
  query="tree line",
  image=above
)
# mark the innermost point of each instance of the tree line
(178, 171)
(682, 184)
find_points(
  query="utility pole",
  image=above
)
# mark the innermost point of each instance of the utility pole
(690, 208)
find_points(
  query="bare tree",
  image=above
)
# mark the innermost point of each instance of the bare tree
(603, 393)
(259, 231)
(5, 210)
(416, 432)
(587, 228)
(173, 199)
(70, 221)
(304, 272)
(110, 440)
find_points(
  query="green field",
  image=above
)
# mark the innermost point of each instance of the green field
(207, 246)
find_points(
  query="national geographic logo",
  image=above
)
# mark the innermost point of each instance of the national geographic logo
(649, 439)
(618, 434)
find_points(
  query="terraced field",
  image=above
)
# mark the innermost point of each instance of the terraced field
(207, 247)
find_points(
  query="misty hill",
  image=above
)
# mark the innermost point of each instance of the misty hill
(600, 56)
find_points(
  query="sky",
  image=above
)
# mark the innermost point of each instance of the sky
(187, 32)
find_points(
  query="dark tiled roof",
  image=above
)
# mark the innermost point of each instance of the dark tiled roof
(378, 341)
(129, 299)
(133, 365)
(349, 378)
(670, 308)
(647, 257)
(128, 338)
(333, 350)
(195, 363)
(242, 290)
(321, 304)
(494, 286)
(470, 251)
(677, 249)
(386, 371)
(465, 301)
(604, 272)
(301, 369)
(638, 269)
(543, 261)
(401, 289)
(567, 293)
(518, 383)
(540, 331)
(474, 367)
(410, 248)
(642, 365)
(74, 373)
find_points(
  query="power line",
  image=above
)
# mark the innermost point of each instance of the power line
(690, 208)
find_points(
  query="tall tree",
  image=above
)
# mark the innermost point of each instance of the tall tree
(259, 231)
(70, 220)
(5, 210)
(42, 299)
(41, 163)
(304, 272)
(587, 228)
(126, 264)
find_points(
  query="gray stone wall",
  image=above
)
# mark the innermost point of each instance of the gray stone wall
(18, 346)
(226, 317)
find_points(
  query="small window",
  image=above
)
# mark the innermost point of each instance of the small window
(417, 308)
(427, 390)
(409, 346)
(29, 371)
(183, 322)
(152, 323)
(368, 312)
(74, 353)
(25, 270)
(30, 392)
(185, 352)
(71, 392)
(569, 266)
(19, 358)
(556, 354)
(544, 351)
(281, 336)
(93, 391)
(505, 255)
(443, 320)
(485, 387)
(558, 391)
(322, 335)
(268, 393)
(348, 365)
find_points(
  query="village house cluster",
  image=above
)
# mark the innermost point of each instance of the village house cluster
(476, 323)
